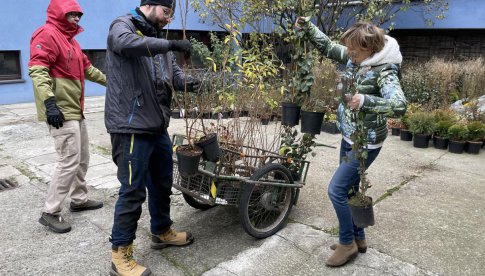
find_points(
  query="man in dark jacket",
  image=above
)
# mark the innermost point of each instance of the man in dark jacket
(142, 74)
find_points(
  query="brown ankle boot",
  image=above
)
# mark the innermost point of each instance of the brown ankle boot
(361, 245)
(171, 238)
(342, 254)
(122, 263)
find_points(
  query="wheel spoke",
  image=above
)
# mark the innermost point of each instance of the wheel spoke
(264, 208)
(266, 204)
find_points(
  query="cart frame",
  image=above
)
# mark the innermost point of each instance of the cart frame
(252, 178)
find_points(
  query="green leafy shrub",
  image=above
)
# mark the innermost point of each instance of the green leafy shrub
(324, 95)
(441, 128)
(476, 131)
(445, 115)
(438, 83)
(405, 122)
(421, 123)
(458, 132)
(417, 85)
(330, 117)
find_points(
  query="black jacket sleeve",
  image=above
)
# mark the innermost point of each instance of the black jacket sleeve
(125, 40)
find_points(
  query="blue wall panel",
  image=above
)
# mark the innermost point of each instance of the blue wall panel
(20, 18)
(462, 14)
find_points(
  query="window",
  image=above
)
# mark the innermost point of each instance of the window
(10, 65)
(97, 58)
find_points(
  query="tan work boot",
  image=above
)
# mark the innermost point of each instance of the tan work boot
(361, 246)
(122, 263)
(171, 238)
(342, 254)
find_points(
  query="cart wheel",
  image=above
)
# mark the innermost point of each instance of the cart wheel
(264, 209)
(195, 203)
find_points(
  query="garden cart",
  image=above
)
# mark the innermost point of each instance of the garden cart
(257, 181)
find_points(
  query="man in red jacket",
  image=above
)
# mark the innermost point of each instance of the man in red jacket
(58, 68)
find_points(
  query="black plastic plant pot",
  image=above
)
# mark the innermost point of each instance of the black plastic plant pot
(395, 131)
(456, 147)
(440, 142)
(176, 114)
(244, 113)
(473, 147)
(311, 122)
(421, 140)
(290, 114)
(330, 127)
(210, 147)
(227, 114)
(264, 121)
(206, 115)
(406, 135)
(188, 159)
(363, 216)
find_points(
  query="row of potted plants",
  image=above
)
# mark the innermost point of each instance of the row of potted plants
(291, 114)
(446, 128)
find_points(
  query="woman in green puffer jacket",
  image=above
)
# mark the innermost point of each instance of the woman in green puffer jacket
(373, 61)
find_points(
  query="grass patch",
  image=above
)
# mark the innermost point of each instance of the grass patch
(102, 150)
(174, 262)
(13, 180)
(392, 190)
(28, 173)
(332, 231)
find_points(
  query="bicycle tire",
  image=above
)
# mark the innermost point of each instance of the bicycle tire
(195, 203)
(264, 209)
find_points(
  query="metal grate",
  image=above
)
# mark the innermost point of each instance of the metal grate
(228, 193)
(199, 185)
(6, 184)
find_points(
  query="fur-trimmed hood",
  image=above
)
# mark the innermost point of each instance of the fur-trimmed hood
(390, 54)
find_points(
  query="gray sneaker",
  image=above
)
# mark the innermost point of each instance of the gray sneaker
(56, 223)
(88, 205)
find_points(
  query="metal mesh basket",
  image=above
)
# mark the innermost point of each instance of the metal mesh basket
(228, 193)
(197, 185)
(224, 179)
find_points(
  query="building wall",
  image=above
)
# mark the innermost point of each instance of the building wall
(462, 14)
(422, 45)
(20, 18)
(461, 35)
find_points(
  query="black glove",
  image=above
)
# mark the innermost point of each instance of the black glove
(193, 85)
(183, 46)
(53, 113)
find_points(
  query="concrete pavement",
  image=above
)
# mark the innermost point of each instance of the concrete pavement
(429, 221)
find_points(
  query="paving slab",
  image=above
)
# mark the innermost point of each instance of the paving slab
(428, 221)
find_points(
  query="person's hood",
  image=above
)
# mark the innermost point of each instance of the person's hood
(56, 15)
(390, 54)
(142, 23)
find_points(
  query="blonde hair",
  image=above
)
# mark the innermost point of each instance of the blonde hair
(364, 35)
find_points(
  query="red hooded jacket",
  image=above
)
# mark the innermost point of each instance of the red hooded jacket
(57, 65)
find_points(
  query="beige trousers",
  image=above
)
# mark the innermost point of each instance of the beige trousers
(72, 147)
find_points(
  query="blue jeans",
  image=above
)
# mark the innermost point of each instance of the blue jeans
(144, 163)
(344, 179)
